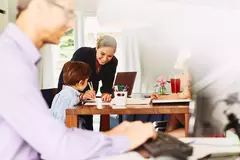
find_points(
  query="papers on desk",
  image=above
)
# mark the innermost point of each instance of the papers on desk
(139, 101)
(223, 148)
(202, 147)
(130, 101)
(97, 101)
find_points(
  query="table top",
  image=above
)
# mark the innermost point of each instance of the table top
(130, 109)
(202, 147)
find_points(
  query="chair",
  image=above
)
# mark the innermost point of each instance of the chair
(48, 95)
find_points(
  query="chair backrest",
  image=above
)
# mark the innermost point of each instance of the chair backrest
(126, 78)
(48, 95)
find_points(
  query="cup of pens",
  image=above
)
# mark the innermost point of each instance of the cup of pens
(120, 95)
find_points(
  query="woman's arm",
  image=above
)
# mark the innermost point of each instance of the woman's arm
(107, 81)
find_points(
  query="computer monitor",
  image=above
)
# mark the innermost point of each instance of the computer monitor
(126, 78)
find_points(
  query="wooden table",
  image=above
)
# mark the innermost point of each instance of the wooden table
(106, 110)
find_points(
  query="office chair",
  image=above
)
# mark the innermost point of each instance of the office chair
(48, 95)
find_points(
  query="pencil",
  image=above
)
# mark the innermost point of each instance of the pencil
(90, 86)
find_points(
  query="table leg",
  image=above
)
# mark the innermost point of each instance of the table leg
(71, 121)
(186, 124)
(105, 122)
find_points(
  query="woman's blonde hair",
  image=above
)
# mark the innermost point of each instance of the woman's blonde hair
(106, 41)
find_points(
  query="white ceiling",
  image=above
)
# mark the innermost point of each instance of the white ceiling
(91, 5)
(87, 5)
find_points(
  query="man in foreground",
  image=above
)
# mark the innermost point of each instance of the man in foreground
(27, 128)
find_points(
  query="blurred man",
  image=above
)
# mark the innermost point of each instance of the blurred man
(27, 128)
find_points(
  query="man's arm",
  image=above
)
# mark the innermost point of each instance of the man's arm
(26, 112)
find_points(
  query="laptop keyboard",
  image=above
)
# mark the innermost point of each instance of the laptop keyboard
(165, 144)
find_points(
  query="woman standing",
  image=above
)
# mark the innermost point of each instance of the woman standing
(103, 64)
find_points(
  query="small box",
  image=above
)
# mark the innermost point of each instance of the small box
(120, 98)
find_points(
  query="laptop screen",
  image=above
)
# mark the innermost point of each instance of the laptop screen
(126, 78)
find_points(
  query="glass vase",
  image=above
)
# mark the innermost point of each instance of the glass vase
(163, 90)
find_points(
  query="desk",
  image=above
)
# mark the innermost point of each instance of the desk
(105, 110)
(202, 147)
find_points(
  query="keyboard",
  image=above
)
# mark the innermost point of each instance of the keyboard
(166, 145)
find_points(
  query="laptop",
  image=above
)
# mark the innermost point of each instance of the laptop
(157, 101)
(126, 78)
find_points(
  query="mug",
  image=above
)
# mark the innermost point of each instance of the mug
(120, 98)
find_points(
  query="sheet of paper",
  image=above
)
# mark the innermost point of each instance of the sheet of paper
(97, 102)
(138, 101)
(131, 101)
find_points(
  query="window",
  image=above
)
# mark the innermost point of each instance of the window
(66, 48)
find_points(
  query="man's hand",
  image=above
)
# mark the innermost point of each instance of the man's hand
(89, 94)
(119, 129)
(137, 132)
(106, 97)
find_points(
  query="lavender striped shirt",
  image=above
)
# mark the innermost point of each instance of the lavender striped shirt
(27, 128)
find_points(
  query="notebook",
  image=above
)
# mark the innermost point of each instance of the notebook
(156, 101)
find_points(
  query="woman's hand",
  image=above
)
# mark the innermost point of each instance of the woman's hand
(106, 97)
(155, 96)
(89, 94)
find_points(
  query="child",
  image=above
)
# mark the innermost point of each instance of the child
(75, 78)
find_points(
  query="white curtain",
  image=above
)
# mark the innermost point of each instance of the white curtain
(129, 58)
(47, 67)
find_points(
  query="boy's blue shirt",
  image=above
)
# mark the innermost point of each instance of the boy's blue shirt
(66, 98)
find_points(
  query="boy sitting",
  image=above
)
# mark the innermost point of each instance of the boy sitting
(75, 78)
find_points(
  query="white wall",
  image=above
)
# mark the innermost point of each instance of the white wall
(3, 17)
(154, 60)
(208, 28)
(10, 7)
(12, 11)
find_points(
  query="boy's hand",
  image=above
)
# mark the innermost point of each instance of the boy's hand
(106, 97)
(89, 94)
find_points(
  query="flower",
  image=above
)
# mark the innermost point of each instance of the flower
(161, 81)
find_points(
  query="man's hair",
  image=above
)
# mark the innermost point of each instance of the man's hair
(74, 71)
(21, 6)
